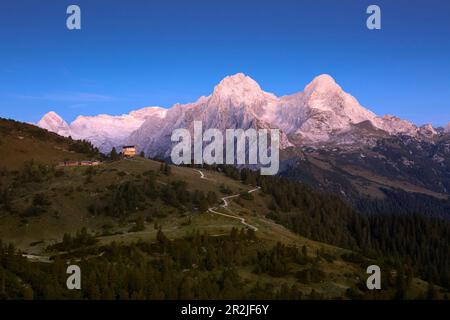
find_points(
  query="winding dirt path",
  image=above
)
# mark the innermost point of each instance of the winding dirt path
(225, 205)
(202, 176)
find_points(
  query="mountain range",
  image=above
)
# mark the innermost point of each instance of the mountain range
(322, 113)
(328, 141)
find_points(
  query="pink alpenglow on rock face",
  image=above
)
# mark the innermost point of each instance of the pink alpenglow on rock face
(54, 123)
(104, 131)
(208, 147)
(321, 113)
(447, 128)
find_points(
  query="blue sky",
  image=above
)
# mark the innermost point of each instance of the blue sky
(131, 54)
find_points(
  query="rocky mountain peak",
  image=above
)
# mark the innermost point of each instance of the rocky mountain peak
(149, 112)
(323, 83)
(323, 112)
(239, 88)
(447, 128)
(427, 130)
(52, 116)
(54, 123)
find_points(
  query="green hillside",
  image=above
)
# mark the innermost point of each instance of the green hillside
(21, 142)
(149, 227)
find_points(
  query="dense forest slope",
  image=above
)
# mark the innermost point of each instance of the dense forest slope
(142, 229)
(398, 174)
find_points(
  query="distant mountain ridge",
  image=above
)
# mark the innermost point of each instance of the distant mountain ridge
(322, 113)
(104, 131)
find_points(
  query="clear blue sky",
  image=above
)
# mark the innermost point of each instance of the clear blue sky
(135, 53)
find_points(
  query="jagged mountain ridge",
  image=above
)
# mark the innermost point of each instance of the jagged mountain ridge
(54, 123)
(329, 141)
(322, 113)
(104, 131)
